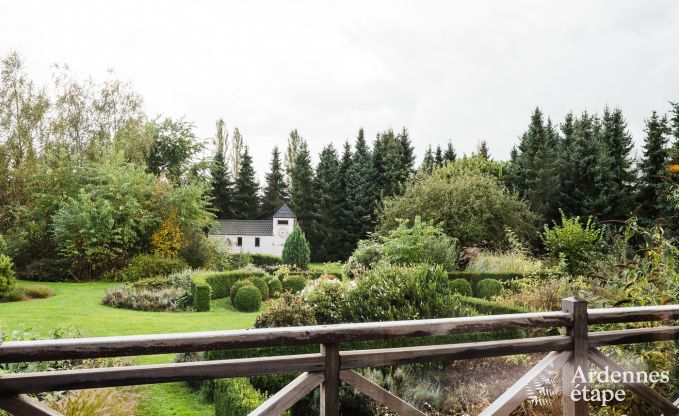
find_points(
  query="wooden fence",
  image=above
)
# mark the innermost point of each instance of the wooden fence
(576, 347)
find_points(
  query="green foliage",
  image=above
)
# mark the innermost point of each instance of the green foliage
(368, 253)
(275, 286)
(326, 184)
(201, 295)
(235, 287)
(152, 265)
(486, 307)
(173, 146)
(420, 243)
(22, 293)
(265, 260)
(261, 285)
(296, 249)
(294, 283)
(7, 279)
(326, 298)
(235, 396)
(47, 270)
(361, 194)
(577, 243)
(461, 286)
(159, 300)
(653, 189)
(275, 191)
(248, 299)
(303, 195)
(221, 185)
(221, 282)
(246, 195)
(487, 288)
(472, 207)
(289, 310)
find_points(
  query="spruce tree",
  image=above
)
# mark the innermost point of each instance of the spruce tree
(427, 165)
(344, 218)
(483, 150)
(275, 191)
(566, 165)
(246, 196)
(220, 180)
(674, 151)
(303, 193)
(586, 154)
(449, 155)
(653, 188)
(360, 189)
(438, 157)
(327, 184)
(407, 154)
(536, 173)
(389, 170)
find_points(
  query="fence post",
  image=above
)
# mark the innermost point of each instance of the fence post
(330, 385)
(578, 310)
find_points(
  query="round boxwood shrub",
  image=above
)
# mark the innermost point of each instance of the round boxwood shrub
(487, 288)
(461, 286)
(275, 286)
(234, 289)
(261, 285)
(248, 299)
(294, 284)
(6, 274)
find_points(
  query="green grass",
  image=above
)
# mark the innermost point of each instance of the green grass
(330, 267)
(79, 305)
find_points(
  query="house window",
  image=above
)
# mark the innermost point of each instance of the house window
(239, 242)
(282, 222)
(256, 241)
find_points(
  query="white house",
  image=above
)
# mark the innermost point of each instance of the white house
(256, 236)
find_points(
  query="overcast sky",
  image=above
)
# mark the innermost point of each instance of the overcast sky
(446, 70)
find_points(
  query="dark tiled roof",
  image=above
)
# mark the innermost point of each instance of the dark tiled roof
(284, 212)
(243, 227)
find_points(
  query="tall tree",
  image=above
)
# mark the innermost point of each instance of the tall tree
(438, 157)
(449, 155)
(276, 191)
(237, 148)
(344, 217)
(303, 195)
(653, 189)
(220, 180)
(536, 167)
(326, 184)
(407, 153)
(172, 150)
(566, 164)
(294, 144)
(483, 150)
(246, 194)
(427, 165)
(361, 191)
(389, 170)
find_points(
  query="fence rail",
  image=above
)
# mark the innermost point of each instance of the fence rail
(575, 348)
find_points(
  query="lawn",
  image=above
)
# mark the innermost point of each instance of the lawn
(78, 305)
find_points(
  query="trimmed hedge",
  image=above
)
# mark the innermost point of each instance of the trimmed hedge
(151, 265)
(275, 286)
(201, 295)
(486, 307)
(248, 299)
(261, 285)
(221, 282)
(294, 283)
(487, 288)
(265, 260)
(235, 287)
(461, 286)
(235, 396)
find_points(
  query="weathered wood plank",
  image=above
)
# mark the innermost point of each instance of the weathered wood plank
(12, 384)
(42, 350)
(379, 394)
(23, 405)
(633, 336)
(578, 361)
(527, 384)
(644, 391)
(394, 356)
(289, 395)
(633, 314)
(330, 400)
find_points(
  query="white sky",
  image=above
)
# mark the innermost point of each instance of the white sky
(460, 70)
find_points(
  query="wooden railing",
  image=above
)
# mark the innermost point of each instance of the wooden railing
(577, 347)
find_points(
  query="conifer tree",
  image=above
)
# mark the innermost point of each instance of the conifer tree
(344, 217)
(438, 157)
(449, 155)
(294, 143)
(483, 150)
(246, 196)
(407, 154)
(296, 250)
(427, 165)
(303, 194)
(327, 183)
(360, 191)
(586, 152)
(674, 151)
(653, 189)
(389, 170)
(276, 191)
(220, 180)
(566, 165)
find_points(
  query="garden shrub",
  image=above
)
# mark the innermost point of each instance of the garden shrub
(275, 286)
(296, 249)
(14, 295)
(201, 252)
(47, 270)
(235, 396)
(577, 243)
(160, 300)
(149, 265)
(288, 310)
(37, 291)
(261, 285)
(248, 299)
(487, 288)
(235, 287)
(486, 307)
(294, 283)
(221, 282)
(422, 242)
(265, 260)
(367, 253)
(461, 286)
(326, 298)
(201, 297)
(234, 261)
(474, 277)
(7, 279)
